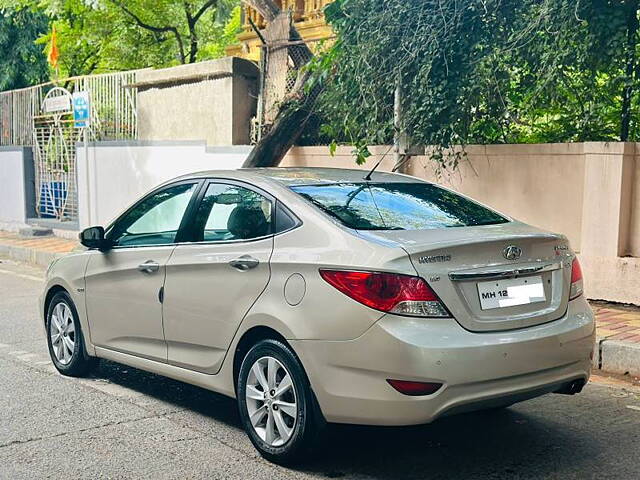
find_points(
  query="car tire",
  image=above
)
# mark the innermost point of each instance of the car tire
(65, 338)
(268, 406)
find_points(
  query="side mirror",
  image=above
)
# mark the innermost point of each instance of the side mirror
(93, 237)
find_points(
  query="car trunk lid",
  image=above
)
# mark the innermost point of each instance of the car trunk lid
(467, 268)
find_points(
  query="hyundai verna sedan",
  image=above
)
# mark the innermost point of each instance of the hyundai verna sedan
(314, 296)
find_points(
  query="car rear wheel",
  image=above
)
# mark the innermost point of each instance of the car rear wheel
(276, 404)
(65, 339)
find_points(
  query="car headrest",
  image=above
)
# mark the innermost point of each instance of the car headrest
(247, 222)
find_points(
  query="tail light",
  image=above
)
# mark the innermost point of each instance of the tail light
(414, 389)
(576, 280)
(388, 292)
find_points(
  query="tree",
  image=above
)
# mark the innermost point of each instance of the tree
(483, 71)
(589, 50)
(106, 35)
(296, 108)
(23, 61)
(179, 21)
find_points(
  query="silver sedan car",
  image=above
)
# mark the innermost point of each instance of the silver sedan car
(319, 295)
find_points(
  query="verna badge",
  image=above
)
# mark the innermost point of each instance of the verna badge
(512, 252)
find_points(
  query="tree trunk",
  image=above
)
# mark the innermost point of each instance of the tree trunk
(193, 43)
(631, 68)
(292, 116)
(275, 144)
(267, 8)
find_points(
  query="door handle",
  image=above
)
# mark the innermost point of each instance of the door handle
(244, 263)
(149, 266)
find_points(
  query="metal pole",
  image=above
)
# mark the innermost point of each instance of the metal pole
(397, 120)
(86, 174)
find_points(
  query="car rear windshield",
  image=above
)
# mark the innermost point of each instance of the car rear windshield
(397, 206)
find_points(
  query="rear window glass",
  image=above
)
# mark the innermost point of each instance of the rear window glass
(397, 206)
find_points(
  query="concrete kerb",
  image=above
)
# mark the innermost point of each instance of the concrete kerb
(616, 356)
(621, 357)
(29, 255)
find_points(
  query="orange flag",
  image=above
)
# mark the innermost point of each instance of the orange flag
(54, 53)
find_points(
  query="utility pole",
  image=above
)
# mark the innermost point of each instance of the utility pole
(397, 122)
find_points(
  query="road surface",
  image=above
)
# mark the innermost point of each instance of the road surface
(125, 423)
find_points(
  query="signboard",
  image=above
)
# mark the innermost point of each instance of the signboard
(81, 109)
(61, 103)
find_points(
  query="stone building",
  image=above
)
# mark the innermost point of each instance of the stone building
(308, 18)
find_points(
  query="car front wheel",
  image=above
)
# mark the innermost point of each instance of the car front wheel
(276, 404)
(65, 339)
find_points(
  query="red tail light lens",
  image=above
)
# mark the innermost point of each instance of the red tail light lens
(401, 294)
(414, 389)
(576, 280)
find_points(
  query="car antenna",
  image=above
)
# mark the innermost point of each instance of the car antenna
(368, 175)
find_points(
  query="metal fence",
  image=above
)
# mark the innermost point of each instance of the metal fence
(17, 109)
(54, 135)
(113, 107)
(113, 112)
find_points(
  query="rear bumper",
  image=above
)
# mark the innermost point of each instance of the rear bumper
(477, 370)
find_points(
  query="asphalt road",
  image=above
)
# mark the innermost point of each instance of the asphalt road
(125, 423)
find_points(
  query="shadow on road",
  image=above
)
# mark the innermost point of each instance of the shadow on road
(527, 440)
(178, 394)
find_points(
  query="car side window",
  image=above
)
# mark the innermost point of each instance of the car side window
(230, 212)
(155, 220)
(285, 220)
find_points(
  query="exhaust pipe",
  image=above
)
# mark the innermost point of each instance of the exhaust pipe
(571, 388)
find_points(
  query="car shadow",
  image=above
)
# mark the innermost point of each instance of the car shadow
(530, 440)
(177, 395)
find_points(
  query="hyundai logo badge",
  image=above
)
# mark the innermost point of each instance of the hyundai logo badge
(512, 252)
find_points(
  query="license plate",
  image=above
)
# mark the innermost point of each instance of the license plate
(511, 292)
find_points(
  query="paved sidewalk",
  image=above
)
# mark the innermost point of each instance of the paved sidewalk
(617, 328)
(38, 250)
(617, 323)
(618, 339)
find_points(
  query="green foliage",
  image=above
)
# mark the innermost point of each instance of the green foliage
(23, 63)
(481, 71)
(360, 152)
(97, 36)
(222, 35)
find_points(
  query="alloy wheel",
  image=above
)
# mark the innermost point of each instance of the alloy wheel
(62, 330)
(271, 401)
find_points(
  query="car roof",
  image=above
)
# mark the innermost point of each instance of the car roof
(289, 176)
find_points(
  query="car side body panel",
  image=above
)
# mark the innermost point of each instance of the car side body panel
(205, 299)
(122, 301)
(68, 272)
(307, 304)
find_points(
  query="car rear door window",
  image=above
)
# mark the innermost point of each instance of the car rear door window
(397, 206)
(231, 212)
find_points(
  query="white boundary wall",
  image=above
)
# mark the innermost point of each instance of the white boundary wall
(13, 213)
(120, 172)
(587, 191)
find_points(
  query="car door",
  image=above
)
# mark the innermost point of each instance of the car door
(214, 280)
(124, 284)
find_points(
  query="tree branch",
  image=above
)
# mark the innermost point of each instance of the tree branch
(204, 8)
(140, 22)
(192, 20)
(193, 37)
(154, 28)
